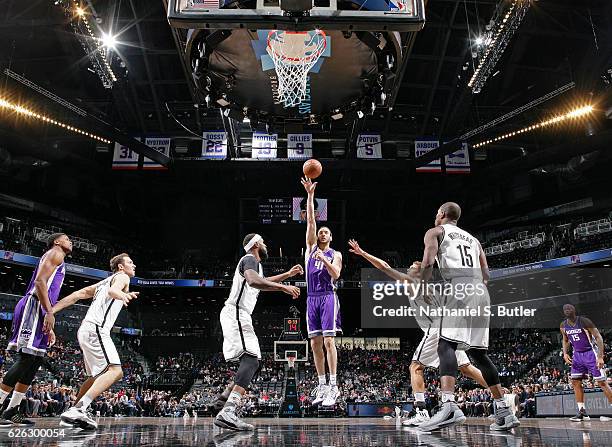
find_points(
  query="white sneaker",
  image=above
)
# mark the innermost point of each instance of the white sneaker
(322, 391)
(331, 397)
(79, 418)
(227, 418)
(605, 419)
(504, 420)
(449, 414)
(420, 417)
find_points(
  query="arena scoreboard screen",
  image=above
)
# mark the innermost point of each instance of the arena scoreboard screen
(291, 326)
(287, 209)
(273, 211)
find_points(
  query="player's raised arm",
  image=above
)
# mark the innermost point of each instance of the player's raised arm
(261, 283)
(565, 343)
(430, 251)
(52, 260)
(83, 294)
(380, 264)
(311, 224)
(590, 327)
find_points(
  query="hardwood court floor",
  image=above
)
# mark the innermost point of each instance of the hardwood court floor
(160, 432)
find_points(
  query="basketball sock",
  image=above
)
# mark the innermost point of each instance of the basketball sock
(332, 380)
(419, 398)
(3, 396)
(448, 396)
(84, 402)
(233, 400)
(322, 380)
(580, 405)
(16, 399)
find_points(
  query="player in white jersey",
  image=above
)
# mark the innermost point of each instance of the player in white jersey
(426, 353)
(462, 263)
(102, 363)
(240, 343)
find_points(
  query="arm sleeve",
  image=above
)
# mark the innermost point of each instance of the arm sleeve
(248, 263)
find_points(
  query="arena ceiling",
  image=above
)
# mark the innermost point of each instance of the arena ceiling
(558, 43)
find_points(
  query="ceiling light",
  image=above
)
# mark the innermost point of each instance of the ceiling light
(108, 40)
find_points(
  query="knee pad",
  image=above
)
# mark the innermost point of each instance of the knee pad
(23, 370)
(448, 359)
(28, 376)
(485, 365)
(249, 365)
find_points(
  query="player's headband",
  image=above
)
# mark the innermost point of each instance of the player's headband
(252, 242)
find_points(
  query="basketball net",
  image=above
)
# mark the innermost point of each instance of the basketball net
(294, 54)
(291, 361)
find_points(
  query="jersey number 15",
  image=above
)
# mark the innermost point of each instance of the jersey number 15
(466, 256)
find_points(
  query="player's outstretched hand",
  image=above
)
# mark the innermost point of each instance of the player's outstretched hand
(296, 270)
(355, 248)
(416, 265)
(293, 291)
(309, 186)
(567, 359)
(129, 297)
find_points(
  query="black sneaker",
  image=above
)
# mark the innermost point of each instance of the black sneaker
(581, 416)
(15, 417)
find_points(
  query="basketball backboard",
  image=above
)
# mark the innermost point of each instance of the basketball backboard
(302, 15)
(296, 350)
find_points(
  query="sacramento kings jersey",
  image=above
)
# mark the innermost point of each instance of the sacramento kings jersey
(578, 336)
(54, 284)
(104, 310)
(242, 295)
(458, 253)
(319, 281)
(27, 335)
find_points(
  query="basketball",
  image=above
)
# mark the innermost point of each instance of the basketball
(312, 168)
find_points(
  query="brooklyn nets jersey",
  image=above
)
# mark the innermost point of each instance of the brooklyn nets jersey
(458, 254)
(242, 295)
(104, 310)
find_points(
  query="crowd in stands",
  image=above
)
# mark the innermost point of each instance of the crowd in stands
(383, 377)
(529, 362)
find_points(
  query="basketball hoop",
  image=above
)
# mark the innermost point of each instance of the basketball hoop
(294, 54)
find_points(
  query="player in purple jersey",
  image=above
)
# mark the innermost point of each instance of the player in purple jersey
(580, 332)
(33, 327)
(323, 265)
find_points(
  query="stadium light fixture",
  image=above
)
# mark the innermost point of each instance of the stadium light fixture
(26, 112)
(97, 48)
(572, 114)
(507, 19)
